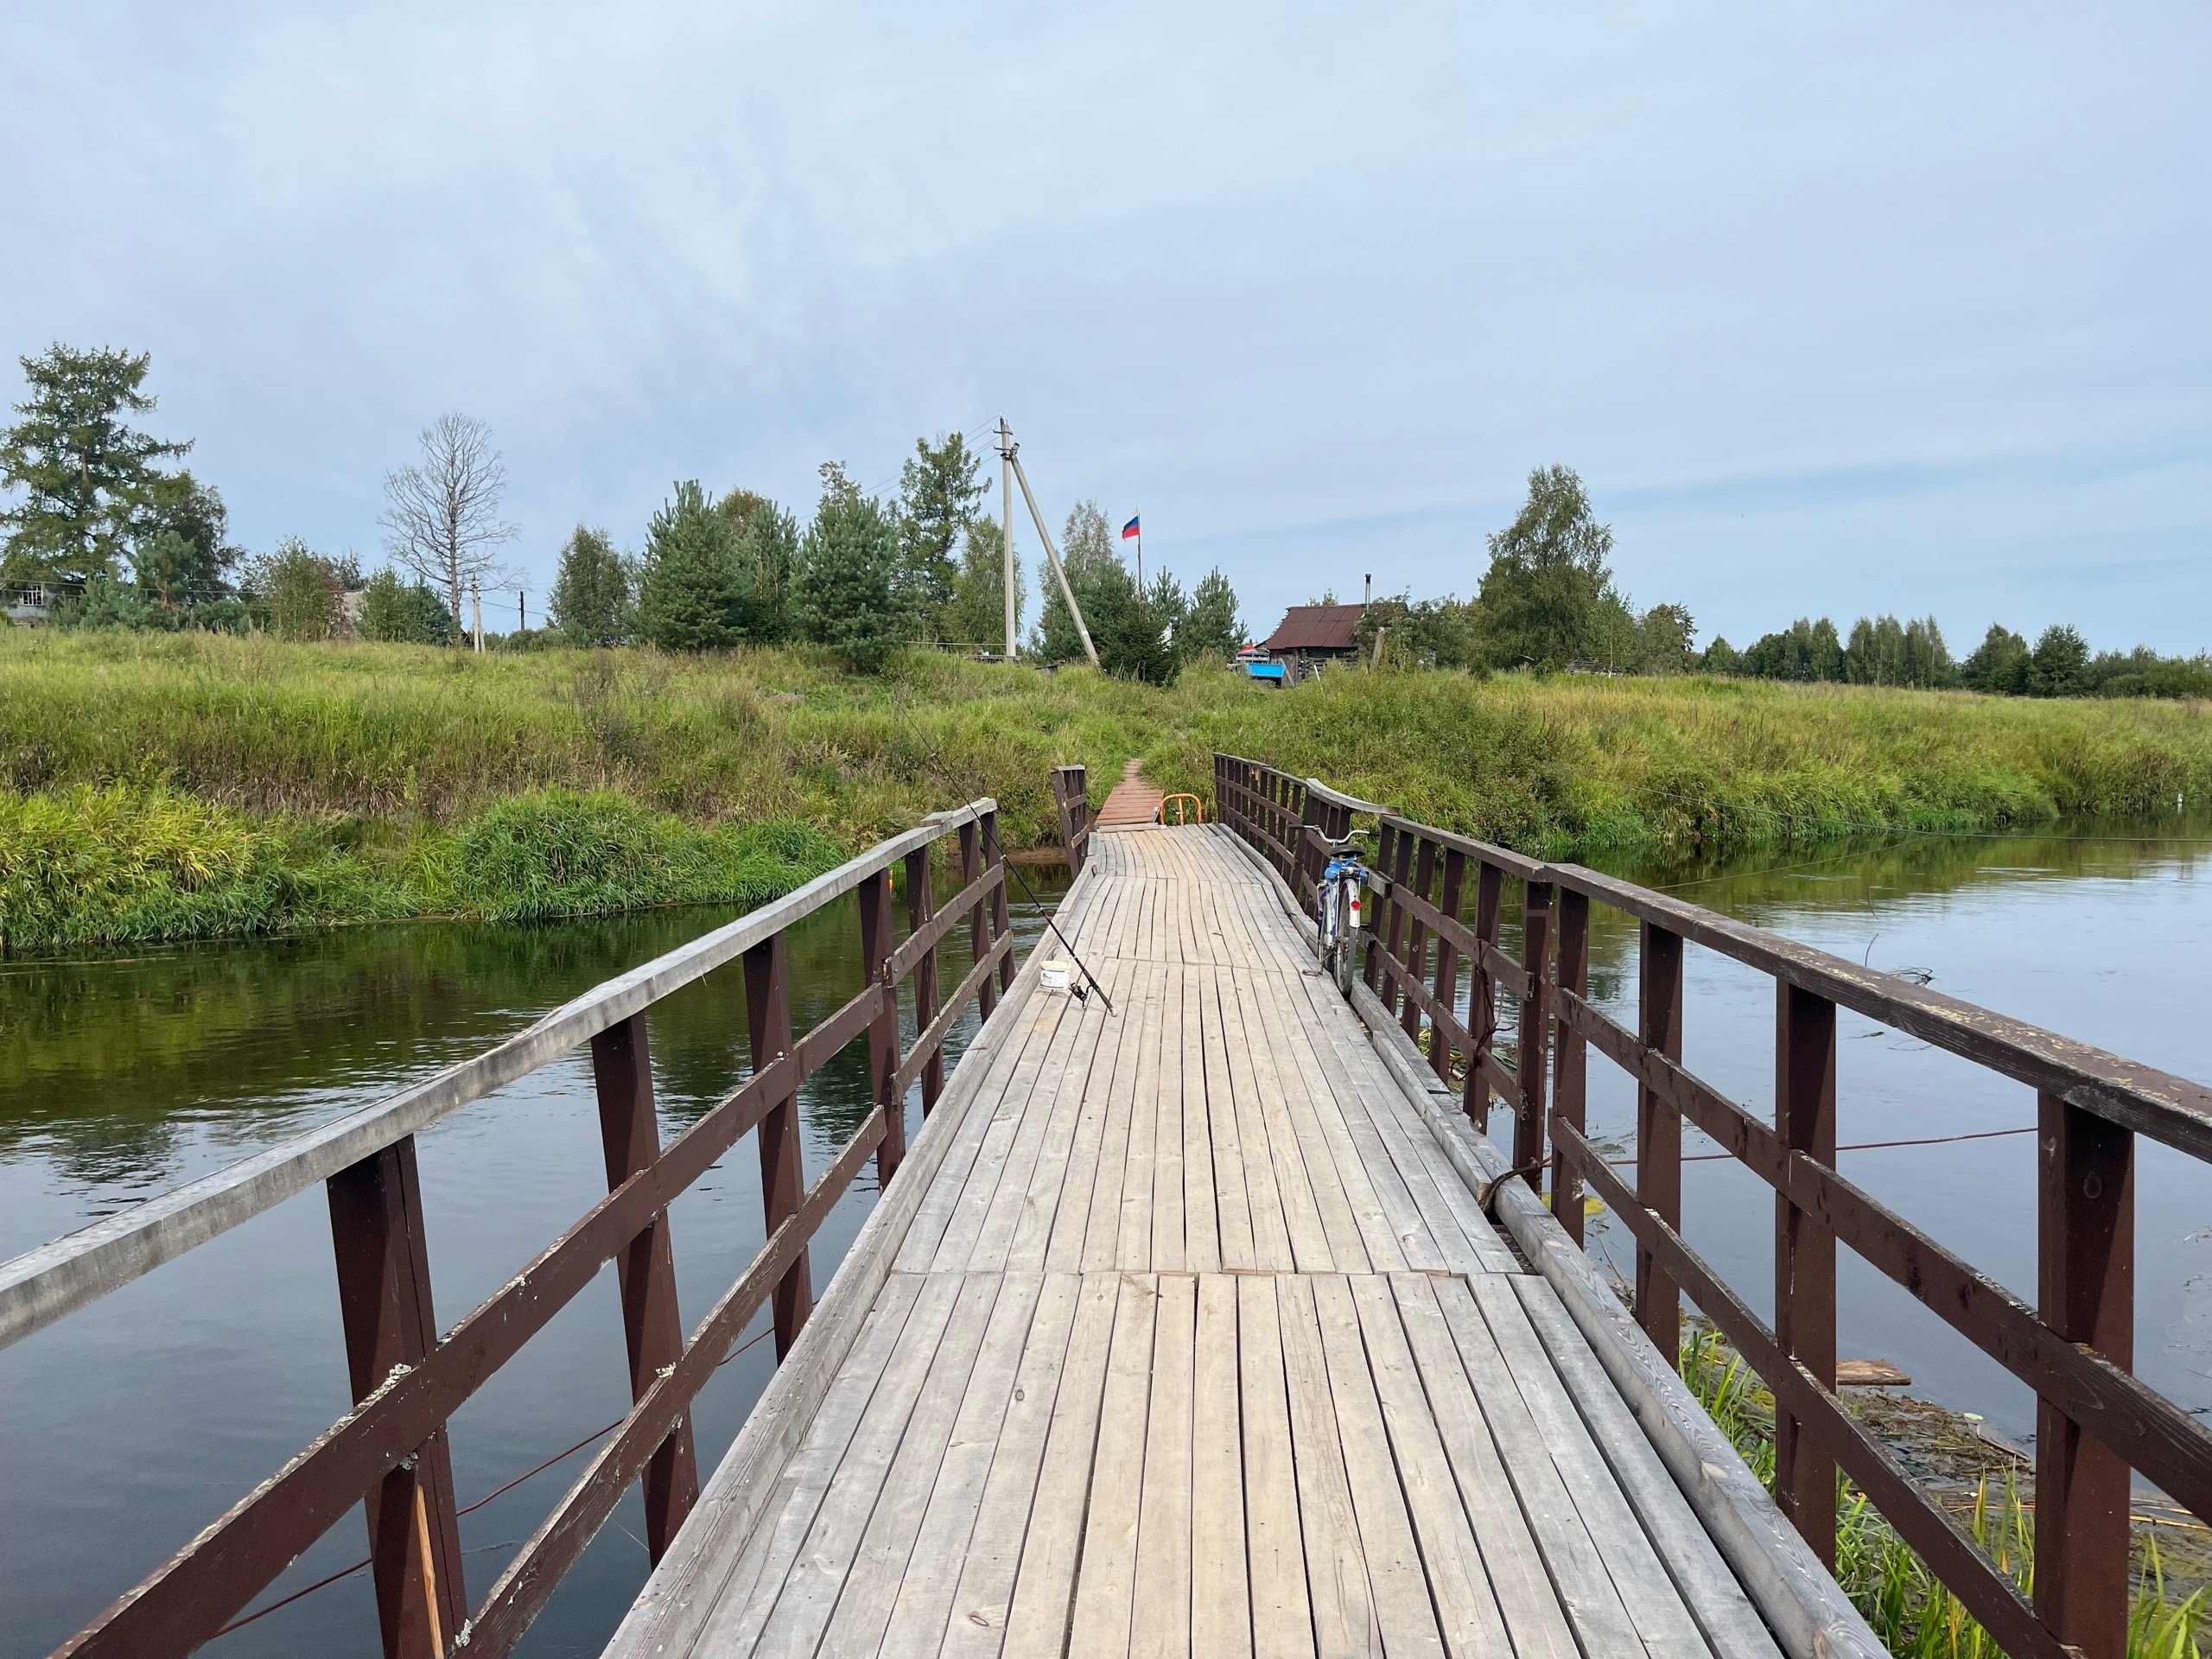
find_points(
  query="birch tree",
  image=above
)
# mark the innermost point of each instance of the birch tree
(441, 516)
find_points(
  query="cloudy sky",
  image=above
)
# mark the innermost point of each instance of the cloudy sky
(1835, 308)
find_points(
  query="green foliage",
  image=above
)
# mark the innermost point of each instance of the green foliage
(1210, 631)
(181, 551)
(1663, 637)
(2059, 665)
(1904, 1603)
(689, 594)
(564, 853)
(376, 750)
(296, 593)
(1099, 577)
(940, 490)
(848, 588)
(591, 590)
(104, 601)
(767, 556)
(1999, 664)
(1421, 632)
(397, 612)
(86, 865)
(84, 470)
(977, 614)
(1541, 597)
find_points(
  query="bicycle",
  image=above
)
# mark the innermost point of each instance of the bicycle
(1336, 938)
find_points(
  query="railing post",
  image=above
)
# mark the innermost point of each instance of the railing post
(1378, 979)
(1489, 889)
(921, 909)
(1002, 924)
(1804, 1255)
(1570, 1056)
(883, 1030)
(2085, 1276)
(1659, 1134)
(1400, 868)
(1416, 956)
(1072, 801)
(629, 1131)
(1447, 965)
(384, 1303)
(1305, 856)
(1529, 1067)
(783, 1188)
(979, 926)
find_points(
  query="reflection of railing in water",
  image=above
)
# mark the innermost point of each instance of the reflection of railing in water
(407, 1383)
(2095, 1422)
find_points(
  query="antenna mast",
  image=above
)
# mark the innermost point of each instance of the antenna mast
(1011, 453)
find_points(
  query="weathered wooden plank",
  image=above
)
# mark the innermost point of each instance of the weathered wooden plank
(1030, 1316)
(1577, 1564)
(1089, 1218)
(1646, 1589)
(1466, 1609)
(1523, 1589)
(1221, 1598)
(1171, 1135)
(1031, 1513)
(1403, 1606)
(1237, 1167)
(1068, 1156)
(1162, 1620)
(1343, 1602)
(1131, 1244)
(1710, 1591)
(848, 1615)
(1104, 1594)
(829, 1503)
(1282, 1618)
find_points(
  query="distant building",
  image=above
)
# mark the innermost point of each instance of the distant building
(1311, 636)
(26, 604)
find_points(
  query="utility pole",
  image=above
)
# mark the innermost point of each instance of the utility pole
(1005, 521)
(476, 611)
(522, 611)
(1013, 460)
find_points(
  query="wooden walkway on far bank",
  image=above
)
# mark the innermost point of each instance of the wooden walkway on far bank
(1189, 1338)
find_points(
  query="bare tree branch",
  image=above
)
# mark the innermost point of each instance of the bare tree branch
(441, 517)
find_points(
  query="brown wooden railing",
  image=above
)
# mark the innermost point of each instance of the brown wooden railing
(1071, 801)
(407, 1382)
(2074, 1347)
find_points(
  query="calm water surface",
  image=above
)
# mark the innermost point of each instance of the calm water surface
(129, 1426)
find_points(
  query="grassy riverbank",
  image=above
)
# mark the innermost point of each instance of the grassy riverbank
(169, 787)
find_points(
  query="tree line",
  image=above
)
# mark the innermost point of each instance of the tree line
(1548, 602)
(116, 539)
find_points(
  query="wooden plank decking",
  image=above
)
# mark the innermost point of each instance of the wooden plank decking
(1196, 1344)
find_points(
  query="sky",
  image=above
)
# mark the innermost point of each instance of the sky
(1835, 309)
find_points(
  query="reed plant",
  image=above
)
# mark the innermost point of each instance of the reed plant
(1908, 1607)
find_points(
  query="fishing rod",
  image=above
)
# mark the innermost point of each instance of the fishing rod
(1036, 905)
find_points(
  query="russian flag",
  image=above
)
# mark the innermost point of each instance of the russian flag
(1129, 530)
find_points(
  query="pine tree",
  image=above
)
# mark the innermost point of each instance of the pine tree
(766, 553)
(687, 596)
(85, 472)
(846, 587)
(939, 493)
(591, 594)
(405, 613)
(1211, 631)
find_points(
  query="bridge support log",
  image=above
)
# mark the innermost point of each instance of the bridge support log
(383, 1301)
(2086, 1289)
(652, 1325)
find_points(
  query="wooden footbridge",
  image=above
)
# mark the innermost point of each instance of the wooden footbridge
(1202, 1316)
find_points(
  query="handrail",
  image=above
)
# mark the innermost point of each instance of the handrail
(408, 1382)
(2097, 1423)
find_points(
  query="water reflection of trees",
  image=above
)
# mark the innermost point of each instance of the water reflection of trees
(111, 1065)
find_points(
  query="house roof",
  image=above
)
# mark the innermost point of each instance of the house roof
(1317, 627)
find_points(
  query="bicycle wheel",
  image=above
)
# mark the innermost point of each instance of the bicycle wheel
(1344, 966)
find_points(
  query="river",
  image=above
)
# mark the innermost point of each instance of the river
(133, 1423)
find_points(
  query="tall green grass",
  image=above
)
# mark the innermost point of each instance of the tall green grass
(1912, 1612)
(349, 782)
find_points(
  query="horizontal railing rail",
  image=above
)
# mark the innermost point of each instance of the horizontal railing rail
(2097, 1424)
(391, 1450)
